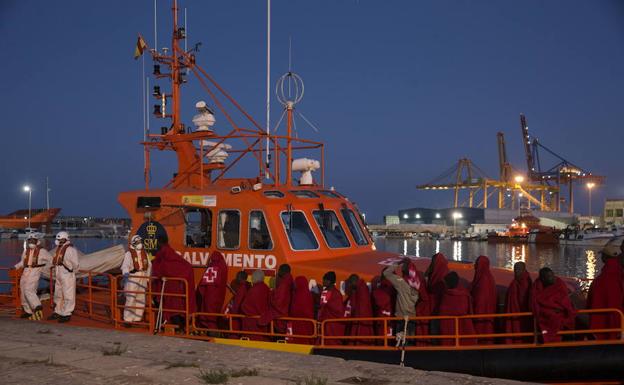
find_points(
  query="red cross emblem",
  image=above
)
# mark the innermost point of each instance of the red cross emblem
(325, 297)
(210, 275)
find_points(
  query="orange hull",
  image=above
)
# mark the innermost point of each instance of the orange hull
(19, 219)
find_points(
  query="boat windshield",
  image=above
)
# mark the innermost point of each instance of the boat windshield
(305, 194)
(298, 229)
(259, 235)
(354, 227)
(273, 194)
(332, 231)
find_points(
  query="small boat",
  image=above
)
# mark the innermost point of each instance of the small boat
(593, 237)
(19, 219)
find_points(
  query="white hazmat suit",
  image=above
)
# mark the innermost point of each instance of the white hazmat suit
(65, 262)
(33, 261)
(136, 268)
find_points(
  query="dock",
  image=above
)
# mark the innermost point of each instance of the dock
(40, 352)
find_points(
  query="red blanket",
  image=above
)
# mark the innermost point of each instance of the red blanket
(456, 302)
(301, 306)
(552, 309)
(256, 303)
(606, 291)
(212, 289)
(517, 301)
(360, 302)
(383, 304)
(435, 286)
(168, 263)
(235, 303)
(332, 307)
(279, 303)
(483, 292)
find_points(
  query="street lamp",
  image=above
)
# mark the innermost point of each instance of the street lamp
(29, 191)
(456, 216)
(519, 178)
(590, 186)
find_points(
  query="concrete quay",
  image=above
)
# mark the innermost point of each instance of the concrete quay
(44, 353)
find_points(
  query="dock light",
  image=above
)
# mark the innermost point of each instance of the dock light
(29, 191)
(405, 216)
(590, 186)
(519, 178)
(417, 216)
(456, 215)
(438, 216)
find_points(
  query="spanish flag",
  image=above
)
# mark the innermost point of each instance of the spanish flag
(140, 47)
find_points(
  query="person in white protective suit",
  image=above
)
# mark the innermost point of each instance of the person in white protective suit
(65, 264)
(136, 268)
(33, 260)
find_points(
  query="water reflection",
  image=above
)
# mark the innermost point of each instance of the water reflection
(564, 260)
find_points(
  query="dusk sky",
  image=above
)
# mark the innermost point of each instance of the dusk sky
(400, 90)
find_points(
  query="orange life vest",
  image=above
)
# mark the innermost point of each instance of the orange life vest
(59, 255)
(138, 263)
(32, 257)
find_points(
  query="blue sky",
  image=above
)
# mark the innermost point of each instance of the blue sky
(399, 89)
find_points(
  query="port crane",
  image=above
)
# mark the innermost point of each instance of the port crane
(541, 187)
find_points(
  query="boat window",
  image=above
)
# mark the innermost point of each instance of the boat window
(198, 226)
(273, 194)
(332, 231)
(305, 194)
(329, 193)
(354, 227)
(259, 235)
(299, 233)
(229, 229)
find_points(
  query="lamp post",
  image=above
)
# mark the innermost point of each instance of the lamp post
(456, 216)
(29, 191)
(590, 186)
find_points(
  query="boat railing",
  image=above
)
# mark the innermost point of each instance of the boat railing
(98, 304)
(9, 289)
(150, 307)
(429, 341)
(234, 329)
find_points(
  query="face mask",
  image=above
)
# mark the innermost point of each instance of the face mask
(32, 245)
(138, 246)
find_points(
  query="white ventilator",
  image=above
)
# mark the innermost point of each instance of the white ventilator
(203, 121)
(305, 166)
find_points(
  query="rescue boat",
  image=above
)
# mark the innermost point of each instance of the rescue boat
(285, 213)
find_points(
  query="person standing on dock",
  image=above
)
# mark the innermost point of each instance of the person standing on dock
(517, 301)
(551, 305)
(65, 263)
(34, 258)
(136, 269)
(484, 298)
(607, 291)
(406, 299)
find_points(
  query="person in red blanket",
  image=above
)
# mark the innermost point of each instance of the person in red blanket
(331, 307)
(517, 301)
(456, 301)
(358, 305)
(169, 264)
(256, 303)
(279, 300)
(382, 299)
(551, 305)
(301, 306)
(240, 287)
(438, 269)
(484, 298)
(211, 290)
(423, 307)
(607, 291)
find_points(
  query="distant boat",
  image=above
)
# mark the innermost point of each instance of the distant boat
(587, 237)
(19, 219)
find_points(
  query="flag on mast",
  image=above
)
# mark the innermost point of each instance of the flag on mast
(140, 47)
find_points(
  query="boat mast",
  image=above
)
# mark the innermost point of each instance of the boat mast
(47, 193)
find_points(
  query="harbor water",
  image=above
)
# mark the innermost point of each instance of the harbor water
(572, 261)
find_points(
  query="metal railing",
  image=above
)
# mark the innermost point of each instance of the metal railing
(100, 293)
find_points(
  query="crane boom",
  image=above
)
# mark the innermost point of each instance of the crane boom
(527, 146)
